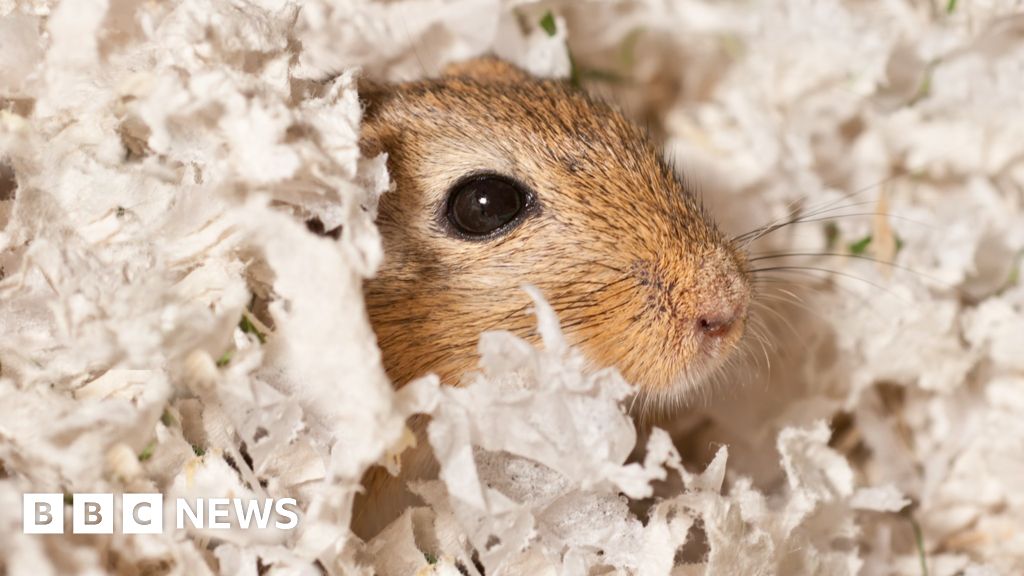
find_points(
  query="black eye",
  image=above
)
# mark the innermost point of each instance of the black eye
(484, 205)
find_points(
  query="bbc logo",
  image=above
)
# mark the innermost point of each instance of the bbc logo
(94, 513)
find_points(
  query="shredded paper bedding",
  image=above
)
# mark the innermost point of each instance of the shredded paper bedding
(158, 161)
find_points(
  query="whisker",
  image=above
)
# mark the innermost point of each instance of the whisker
(756, 234)
(776, 256)
(867, 305)
(810, 219)
(815, 312)
(780, 316)
(867, 188)
(806, 269)
(756, 332)
(797, 215)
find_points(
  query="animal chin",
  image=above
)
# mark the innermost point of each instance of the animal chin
(697, 373)
(661, 398)
(707, 360)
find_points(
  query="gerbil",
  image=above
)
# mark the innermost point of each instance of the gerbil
(502, 179)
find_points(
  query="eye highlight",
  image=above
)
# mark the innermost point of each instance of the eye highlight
(486, 205)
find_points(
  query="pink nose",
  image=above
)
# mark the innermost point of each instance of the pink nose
(717, 324)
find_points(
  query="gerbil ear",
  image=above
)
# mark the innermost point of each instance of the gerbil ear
(486, 68)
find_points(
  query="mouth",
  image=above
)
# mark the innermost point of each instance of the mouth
(719, 342)
(710, 361)
(700, 368)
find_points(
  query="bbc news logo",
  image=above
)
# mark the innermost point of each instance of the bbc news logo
(144, 513)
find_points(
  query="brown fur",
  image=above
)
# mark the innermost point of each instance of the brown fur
(622, 251)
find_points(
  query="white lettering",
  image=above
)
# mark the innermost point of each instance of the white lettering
(195, 516)
(253, 509)
(292, 515)
(142, 513)
(42, 513)
(92, 514)
(218, 508)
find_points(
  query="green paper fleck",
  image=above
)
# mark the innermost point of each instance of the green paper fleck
(547, 22)
(574, 72)
(923, 91)
(919, 542)
(247, 327)
(1014, 277)
(147, 452)
(860, 246)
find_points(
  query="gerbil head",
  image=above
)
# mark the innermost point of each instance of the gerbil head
(502, 180)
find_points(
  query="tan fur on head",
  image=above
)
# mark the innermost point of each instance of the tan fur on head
(623, 252)
(639, 275)
(487, 69)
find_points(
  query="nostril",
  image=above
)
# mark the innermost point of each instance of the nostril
(716, 327)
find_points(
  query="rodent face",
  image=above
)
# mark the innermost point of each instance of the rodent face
(639, 275)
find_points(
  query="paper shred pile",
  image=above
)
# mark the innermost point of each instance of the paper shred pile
(168, 323)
